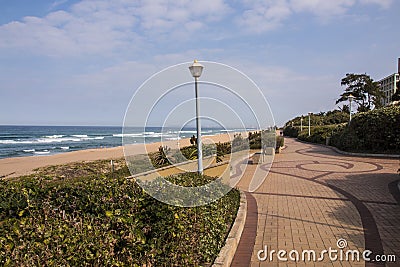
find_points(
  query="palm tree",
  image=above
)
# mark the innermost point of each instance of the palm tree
(160, 158)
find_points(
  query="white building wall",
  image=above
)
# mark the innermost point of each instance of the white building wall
(389, 86)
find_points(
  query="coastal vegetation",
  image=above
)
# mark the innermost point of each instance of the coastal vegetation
(82, 214)
(374, 131)
(324, 124)
(366, 92)
(254, 140)
(323, 121)
(89, 213)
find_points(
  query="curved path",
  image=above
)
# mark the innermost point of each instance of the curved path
(313, 197)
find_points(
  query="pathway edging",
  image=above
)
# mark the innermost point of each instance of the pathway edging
(227, 252)
(350, 153)
(363, 154)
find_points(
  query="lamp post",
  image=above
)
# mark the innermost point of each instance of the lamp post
(196, 70)
(301, 123)
(309, 123)
(350, 97)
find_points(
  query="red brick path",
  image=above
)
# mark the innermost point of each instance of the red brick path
(313, 197)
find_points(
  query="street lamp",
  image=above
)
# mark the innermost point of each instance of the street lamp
(301, 123)
(309, 123)
(350, 97)
(196, 70)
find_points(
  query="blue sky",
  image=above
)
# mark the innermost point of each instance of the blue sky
(79, 62)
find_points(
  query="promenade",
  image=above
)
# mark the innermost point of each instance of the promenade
(314, 197)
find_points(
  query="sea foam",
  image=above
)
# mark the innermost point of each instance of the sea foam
(44, 152)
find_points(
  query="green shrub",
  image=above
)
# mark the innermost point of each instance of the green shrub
(291, 131)
(254, 140)
(266, 137)
(102, 221)
(224, 148)
(280, 141)
(376, 131)
(319, 134)
(373, 131)
(239, 143)
(346, 140)
(322, 118)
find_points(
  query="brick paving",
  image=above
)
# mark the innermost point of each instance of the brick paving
(311, 198)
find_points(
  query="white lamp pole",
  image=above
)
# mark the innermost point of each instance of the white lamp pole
(350, 97)
(196, 70)
(309, 123)
(301, 123)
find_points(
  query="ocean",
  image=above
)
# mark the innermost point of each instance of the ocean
(19, 141)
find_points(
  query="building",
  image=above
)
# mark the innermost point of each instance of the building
(389, 86)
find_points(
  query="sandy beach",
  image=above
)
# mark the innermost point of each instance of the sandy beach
(14, 167)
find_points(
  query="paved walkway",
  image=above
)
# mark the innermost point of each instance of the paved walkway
(313, 197)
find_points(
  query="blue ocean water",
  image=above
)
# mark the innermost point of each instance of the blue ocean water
(17, 141)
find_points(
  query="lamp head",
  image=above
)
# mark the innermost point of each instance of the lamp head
(350, 97)
(196, 69)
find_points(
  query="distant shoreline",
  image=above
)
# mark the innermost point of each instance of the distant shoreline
(22, 141)
(18, 166)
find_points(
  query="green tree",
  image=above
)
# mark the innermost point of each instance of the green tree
(337, 116)
(344, 108)
(366, 92)
(374, 93)
(396, 96)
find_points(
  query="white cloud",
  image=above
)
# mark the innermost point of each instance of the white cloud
(165, 20)
(57, 3)
(322, 8)
(261, 16)
(99, 26)
(381, 3)
(87, 29)
(92, 27)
